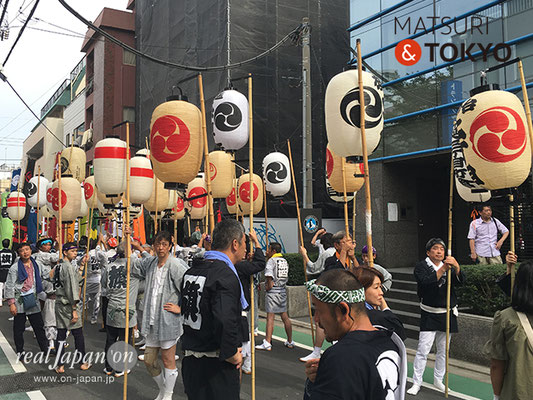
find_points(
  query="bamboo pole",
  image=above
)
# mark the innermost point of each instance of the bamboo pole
(353, 215)
(60, 220)
(449, 282)
(526, 103)
(512, 239)
(346, 224)
(266, 214)
(368, 211)
(128, 261)
(251, 218)
(155, 214)
(89, 221)
(38, 193)
(301, 235)
(206, 160)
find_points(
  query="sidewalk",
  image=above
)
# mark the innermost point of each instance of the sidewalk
(466, 380)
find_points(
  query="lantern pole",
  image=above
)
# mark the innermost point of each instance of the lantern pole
(346, 225)
(511, 236)
(301, 235)
(38, 193)
(266, 215)
(526, 104)
(449, 282)
(206, 157)
(128, 261)
(89, 222)
(251, 219)
(18, 214)
(155, 215)
(353, 215)
(60, 222)
(238, 207)
(368, 211)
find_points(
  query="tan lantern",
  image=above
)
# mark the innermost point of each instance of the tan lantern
(176, 142)
(342, 111)
(73, 161)
(490, 142)
(135, 211)
(37, 183)
(107, 200)
(178, 212)
(336, 196)
(110, 167)
(70, 198)
(49, 195)
(103, 211)
(197, 197)
(334, 173)
(472, 195)
(90, 192)
(16, 206)
(222, 172)
(162, 199)
(84, 209)
(256, 194)
(231, 200)
(141, 180)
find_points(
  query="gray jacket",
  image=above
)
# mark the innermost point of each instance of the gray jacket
(13, 289)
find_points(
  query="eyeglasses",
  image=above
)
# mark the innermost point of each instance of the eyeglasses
(162, 244)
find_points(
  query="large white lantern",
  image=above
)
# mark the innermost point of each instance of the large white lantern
(246, 195)
(110, 166)
(37, 183)
(16, 206)
(472, 195)
(141, 180)
(490, 142)
(162, 198)
(73, 161)
(277, 174)
(90, 192)
(197, 197)
(353, 172)
(70, 198)
(342, 110)
(230, 120)
(221, 171)
(143, 153)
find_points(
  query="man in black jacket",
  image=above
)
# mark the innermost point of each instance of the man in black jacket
(211, 304)
(431, 276)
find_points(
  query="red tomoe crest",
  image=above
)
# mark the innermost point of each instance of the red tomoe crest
(498, 135)
(170, 139)
(244, 192)
(55, 199)
(201, 201)
(49, 196)
(88, 190)
(230, 200)
(179, 204)
(329, 162)
(212, 170)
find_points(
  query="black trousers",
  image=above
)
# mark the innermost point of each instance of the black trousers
(79, 342)
(104, 303)
(19, 326)
(209, 378)
(112, 335)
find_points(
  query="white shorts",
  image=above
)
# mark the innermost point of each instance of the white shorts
(153, 341)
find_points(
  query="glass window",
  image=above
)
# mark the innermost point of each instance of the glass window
(128, 58)
(128, 114)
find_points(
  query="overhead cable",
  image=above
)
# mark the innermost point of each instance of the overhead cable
(21, 31)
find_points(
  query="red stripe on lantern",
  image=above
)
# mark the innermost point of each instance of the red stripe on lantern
(143, 172)
(16, 202)
(110, 152)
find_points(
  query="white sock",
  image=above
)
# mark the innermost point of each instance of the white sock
(317, 350)
(170, 380)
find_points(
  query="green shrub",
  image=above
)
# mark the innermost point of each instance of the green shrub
(480, 294)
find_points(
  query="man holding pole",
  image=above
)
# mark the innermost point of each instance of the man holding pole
(431, 276)
(344, 252)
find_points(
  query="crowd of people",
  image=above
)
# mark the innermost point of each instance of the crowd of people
(200, 295)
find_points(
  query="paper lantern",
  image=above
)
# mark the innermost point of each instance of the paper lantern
(172, 198)
(141, 180)
(334, 173)
(277, 174)
(103, 211)
(84, 209)
(70, 199)
(135, 211)
(341, 106)
(178, 212)
(472, 195)
(245, 193)
(222, 172)
(37, 183)
(162, 199)
(90, 192)
(231, 200)
(176, 142)
(107, 200)
(197, 192)
(230, 120)
(336, 196)
(143, 153)
(73, 161)
(110, 166)
(44, 212)
(16, 206)
(49, 196)
(490, 142)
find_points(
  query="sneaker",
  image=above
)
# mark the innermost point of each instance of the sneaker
(176, 357)
(439, 385)
(288, 344)
(108, 372)
(136, 334)
(11, 318)
(93, 322)
(414, 390)
(140, 342)
(29, 329)
(140, 357)
(121, 373)
(309, 357)
(265, 346)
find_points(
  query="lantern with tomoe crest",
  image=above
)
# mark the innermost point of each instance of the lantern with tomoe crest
(37, 183)
(276, 174)
(89, 192)
(70, 198)
(343, 122)
(231, 200)
(197, 197)
(230, 119)
(246, 195)
(353, 172)
(73, 162)
(221, 171)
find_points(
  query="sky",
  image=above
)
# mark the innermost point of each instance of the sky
(40, 62)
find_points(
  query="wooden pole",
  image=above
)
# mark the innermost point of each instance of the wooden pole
(89, 221)
(346, 224)
(206, 161)
(353, 216)
(38, 193)
(526, 103)
(60, 220)
(449, 282)
(155, 215)
(368, 211)
(301, 235)
(128, 261)
(512, 239)
(266, 215)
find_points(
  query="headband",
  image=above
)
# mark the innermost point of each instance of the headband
(69, 247)
(46, 241)
(326, 295)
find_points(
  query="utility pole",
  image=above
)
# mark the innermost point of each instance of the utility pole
(307, 144)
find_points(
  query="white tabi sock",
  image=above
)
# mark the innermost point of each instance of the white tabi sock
(317, 350)
(170, 380)
(160, 380)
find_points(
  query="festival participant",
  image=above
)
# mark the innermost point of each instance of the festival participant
(317, 240)
(510, 347)
(277, 275)
(47, 260)
(387, 277)
(377, 309)
(483, 237)
(344, 253)
(253, 263)
(212, 302)
(366, 363)
(7, 259)
(23, 285)
(67, 282)
(431, 276)
(162, 322)
(97, 261)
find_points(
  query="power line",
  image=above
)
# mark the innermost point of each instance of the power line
(290, 36)
(4, 12)
(21, 31)
(21, 10)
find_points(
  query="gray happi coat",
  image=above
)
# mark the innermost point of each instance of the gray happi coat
(46, 262)
(167, 325)
(67, 283)
(13, 288)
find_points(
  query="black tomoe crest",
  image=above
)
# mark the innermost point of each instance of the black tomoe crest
(275, 172)
(227, 117)
(373, 108)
